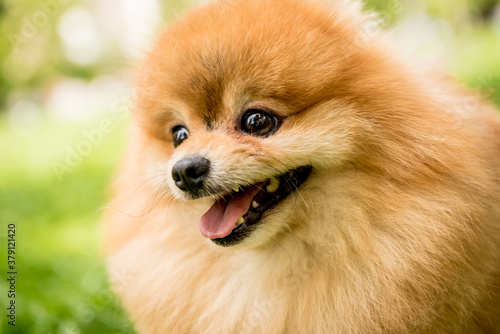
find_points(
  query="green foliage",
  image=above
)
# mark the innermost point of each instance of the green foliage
(62, 286)
(477, 62)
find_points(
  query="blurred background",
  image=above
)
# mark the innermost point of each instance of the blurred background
(66, 72)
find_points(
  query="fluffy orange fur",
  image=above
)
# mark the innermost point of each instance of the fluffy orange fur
(397, 229)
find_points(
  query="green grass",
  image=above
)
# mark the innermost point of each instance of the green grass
(62, 286)
(477, 61)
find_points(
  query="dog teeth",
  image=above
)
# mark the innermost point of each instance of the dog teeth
(240, 221)
(273, 185)
(255, 204)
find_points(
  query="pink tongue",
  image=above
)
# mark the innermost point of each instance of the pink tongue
(221, 218)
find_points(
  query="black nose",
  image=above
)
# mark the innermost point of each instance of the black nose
(190, 173)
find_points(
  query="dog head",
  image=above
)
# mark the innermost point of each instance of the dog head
(253, 104)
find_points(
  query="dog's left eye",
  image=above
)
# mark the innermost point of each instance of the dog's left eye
(259, 123)
(180, 133)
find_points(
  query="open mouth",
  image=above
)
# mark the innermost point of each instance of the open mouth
(235, 216)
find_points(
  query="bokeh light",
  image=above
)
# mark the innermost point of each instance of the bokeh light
(78, 31)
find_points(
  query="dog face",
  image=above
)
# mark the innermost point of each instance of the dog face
(249, 106)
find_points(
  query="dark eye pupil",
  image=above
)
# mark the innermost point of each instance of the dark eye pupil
(180, 134)
(258, 123)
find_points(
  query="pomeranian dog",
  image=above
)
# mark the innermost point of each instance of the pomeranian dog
(289, 173)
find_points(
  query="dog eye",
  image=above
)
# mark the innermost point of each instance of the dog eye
(259, 123)
(180, 133)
